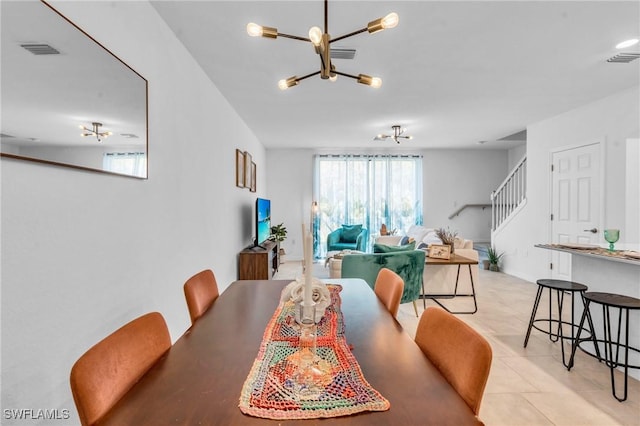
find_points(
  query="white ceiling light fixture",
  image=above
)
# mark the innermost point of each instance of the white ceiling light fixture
(94, 131)
(320, 41)
(627, 43)
(398, 133)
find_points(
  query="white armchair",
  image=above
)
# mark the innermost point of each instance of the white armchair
(389, 240)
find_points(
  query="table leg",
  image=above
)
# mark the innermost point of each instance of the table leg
(435, 297)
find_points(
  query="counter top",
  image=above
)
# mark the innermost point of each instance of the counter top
(623, 256)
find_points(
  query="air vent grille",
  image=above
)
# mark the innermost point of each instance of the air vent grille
(624, 58)
(40, 49)
(338, 53)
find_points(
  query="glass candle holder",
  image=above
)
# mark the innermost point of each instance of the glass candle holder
(612, 236)
(311, 372)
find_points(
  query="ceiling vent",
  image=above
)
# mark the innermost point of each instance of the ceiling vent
(40, 49)
(624, 58)
(339, 53)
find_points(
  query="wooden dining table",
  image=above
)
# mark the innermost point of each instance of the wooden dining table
(199, 380)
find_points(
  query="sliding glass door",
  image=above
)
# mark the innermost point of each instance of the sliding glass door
(368, 190)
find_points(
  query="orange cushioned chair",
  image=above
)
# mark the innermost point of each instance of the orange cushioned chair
(101, 376)
(201, 290)
(461, 354)
(389, 287)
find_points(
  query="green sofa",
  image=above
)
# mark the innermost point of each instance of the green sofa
(408, 264)
(348, 237)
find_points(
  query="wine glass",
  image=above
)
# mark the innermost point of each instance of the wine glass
(611, 235)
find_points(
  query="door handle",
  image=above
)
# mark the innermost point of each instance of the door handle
(592, 230)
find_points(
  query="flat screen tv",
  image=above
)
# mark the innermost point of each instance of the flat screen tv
(263, 221)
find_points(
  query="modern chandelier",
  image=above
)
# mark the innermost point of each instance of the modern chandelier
(94, 131)
(321, 41)
(398, 133)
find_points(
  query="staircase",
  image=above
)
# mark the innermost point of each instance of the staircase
(510, 196)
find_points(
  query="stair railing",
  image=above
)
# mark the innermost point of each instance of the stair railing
(510, 195)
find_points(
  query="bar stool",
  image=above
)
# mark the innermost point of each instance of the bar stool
(624, 304)
(560, 287)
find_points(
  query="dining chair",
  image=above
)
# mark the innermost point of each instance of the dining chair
(103, 374)
(459, 352)
(389, 287)
(200, 291)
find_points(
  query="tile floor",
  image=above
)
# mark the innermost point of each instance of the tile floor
(527, 386)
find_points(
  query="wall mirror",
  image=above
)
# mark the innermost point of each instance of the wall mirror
(56, 78)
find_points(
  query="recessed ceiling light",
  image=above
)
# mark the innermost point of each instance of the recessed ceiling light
(627, 43)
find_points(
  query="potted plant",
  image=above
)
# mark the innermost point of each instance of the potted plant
(278, 234)
(447, 237)
(494, 258)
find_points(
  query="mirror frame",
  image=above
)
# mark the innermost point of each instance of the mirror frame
(146, 113)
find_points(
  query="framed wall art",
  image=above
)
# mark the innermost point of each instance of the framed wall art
(247, 169)
(438, 251)
(240, 169)
(252, 187)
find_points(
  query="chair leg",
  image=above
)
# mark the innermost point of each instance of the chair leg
(533, 315)
(574, 344)
(415, 308)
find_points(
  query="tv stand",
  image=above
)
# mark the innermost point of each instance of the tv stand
(259, 262)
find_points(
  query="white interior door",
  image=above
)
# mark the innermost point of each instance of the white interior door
(575, 202)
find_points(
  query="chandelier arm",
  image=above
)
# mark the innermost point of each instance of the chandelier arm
(323, 66)
(294, 37)
(307, 76)
(326, 14)
(348, 35)
(355, 77)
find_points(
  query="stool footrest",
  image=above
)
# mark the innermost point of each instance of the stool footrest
(601, 358)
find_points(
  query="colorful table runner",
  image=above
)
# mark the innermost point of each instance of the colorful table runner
(268, 392)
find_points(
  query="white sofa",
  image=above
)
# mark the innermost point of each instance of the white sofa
(440, 279)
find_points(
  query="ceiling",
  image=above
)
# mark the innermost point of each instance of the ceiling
(455, 73)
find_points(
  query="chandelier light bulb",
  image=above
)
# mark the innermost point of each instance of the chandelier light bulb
(289, 82)
(376, 82)
(627, 43)
(315, 34)
(333, 78)
(254, 30)
(390, 21)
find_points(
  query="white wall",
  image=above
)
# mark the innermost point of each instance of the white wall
(452, 178)
(611, 121)
(83, 253)
(632, 195)
(515, 154)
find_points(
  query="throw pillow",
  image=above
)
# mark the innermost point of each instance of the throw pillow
(406, 240)
(417, 232)
(350, 233)
(431, 238)
(382, 248)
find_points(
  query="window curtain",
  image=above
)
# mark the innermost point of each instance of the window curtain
(129, 163)
(368, 190)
